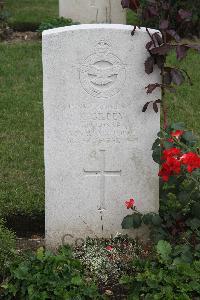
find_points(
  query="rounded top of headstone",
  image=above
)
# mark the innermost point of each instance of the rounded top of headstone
(93, 27)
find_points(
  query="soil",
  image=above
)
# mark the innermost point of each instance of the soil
(16, 36)
(26, 226)
(33, 243)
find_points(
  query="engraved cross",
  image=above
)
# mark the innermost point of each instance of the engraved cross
(102, 173)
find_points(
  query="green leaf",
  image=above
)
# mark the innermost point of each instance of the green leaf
(157, 155)
(77, 280)
(132, 221)
(137, 220)
(178, 126)
(167, 145)
(156, 220)
(21, 272)
(187, 256)
(189, 137)
(127, 223)
(40, 253)
(156, 144)
(147, 219)
(164, 250)
(196, 210)
(160, 134)
(193, 223)
(184, 197)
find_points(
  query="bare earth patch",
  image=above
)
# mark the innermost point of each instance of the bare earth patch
(16, 36)
(33, 243)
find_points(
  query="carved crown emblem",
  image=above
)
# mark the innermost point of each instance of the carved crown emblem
(102, 74)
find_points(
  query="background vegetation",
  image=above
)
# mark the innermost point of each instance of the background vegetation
(29, 14)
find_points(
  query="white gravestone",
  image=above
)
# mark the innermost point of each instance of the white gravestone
(93, 11)
(97, 139)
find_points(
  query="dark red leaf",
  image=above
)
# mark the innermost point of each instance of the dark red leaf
(160, 61)
(172, 33)
(181, 51)
(145, 14)
(149, 45)
(131, 4)
(165, 6)
(185, 14)
(157, 38)
(125, 3)
(155, 107)
(145, 106)
(164, 24)
(196, 47)
(167, 79)
(162, 50)
(171, 89)
(149, 64)
(177, 76)
(151, 87)
(153, 11)
(188, 77)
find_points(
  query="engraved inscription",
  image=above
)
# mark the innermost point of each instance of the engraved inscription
(102, 74)
(102, 173)
(103, 123)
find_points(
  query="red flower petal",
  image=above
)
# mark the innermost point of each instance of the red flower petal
(171, 152)
(109, 248)
(130, 203)
(177, 134)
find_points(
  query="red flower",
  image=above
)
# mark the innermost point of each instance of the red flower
(177, 134)
(172, 152)
(164, 172)
(170, 167)
(130, 203)
(170, 140)
(191, 160)
(109, 248)
(174, 165)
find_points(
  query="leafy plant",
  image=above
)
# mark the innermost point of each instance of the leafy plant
(160, 45)
(164, 276)
(148, 13)
(7, 248)
(47, 276)
(179, 215)
(111, 256)
(180, 166)
(54, 23)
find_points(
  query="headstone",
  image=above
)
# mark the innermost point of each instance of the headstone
(93, 11)
(97, 139)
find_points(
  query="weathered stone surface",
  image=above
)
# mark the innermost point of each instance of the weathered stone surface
(93, 11)
(97, 140)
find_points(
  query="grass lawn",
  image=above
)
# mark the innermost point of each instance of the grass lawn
(21, 129)
(132, 18)
(21, 123)
(185, 104)
(31, 12)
